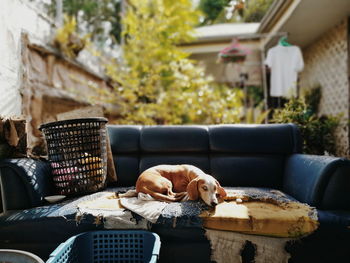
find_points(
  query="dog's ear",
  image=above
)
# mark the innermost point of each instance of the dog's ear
(221, 191)
(192, 190)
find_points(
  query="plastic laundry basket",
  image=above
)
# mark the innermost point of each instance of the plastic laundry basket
(18, 256)
(108, 246)
(78, 154)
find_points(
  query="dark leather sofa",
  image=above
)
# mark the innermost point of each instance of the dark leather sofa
(262, 156)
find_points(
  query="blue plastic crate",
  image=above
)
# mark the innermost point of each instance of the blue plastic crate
(108, 246)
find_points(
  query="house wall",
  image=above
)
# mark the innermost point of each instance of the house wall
(326, 65)
(16, 16)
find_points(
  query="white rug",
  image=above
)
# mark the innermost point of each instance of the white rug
(226, 247)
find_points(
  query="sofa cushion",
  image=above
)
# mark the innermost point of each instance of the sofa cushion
(172, 139)
(199, 160)
(240, 139)
(124, 138)
(248, 170)
(56, 222)
(335, 222)
(127, 168)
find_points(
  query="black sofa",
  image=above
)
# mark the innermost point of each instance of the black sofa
(261, 156)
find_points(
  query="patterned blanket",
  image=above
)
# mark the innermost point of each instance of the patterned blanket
(247, 210)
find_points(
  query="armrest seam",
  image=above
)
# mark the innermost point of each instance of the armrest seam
(297, 147)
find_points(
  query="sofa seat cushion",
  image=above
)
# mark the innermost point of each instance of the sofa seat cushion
(334, 222)
(56, 222)
(51, 222)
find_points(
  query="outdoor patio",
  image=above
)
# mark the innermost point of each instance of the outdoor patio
(174, 131)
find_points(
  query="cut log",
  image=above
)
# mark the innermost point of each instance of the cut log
(13, 137)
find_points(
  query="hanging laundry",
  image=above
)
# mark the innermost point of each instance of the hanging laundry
(285, 61)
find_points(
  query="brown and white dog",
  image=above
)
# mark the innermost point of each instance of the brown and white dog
(173, 183)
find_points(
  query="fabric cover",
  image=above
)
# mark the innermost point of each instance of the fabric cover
(260, 211)
(227, 247)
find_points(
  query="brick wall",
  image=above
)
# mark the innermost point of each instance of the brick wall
(326, 65)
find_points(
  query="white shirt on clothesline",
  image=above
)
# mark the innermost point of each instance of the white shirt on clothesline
(285, 62)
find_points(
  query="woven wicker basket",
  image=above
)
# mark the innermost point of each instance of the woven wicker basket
(77, 153)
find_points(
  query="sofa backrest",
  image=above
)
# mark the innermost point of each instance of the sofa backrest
(237, 155)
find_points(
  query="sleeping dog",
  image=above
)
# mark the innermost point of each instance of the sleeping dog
(173, 183)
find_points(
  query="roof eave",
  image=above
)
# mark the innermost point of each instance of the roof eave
(206, 40)
(272, 15)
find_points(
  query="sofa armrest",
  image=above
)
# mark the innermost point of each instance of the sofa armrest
(320, 181)
(24, 183)
(335, 222)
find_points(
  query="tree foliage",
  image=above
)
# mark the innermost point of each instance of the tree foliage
(255, 10)
(212, 9)
(224, 11)
(156, 81)
(68, 41)
(93, 16)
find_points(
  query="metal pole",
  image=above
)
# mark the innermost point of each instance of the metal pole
(59, 13)
(264, 80)
(122, 14)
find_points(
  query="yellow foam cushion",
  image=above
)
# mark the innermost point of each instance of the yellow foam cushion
(262, 217)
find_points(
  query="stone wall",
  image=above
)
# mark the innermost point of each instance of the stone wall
(326, 65)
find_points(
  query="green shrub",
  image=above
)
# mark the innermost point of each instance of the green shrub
(317, 132)
(312, 99)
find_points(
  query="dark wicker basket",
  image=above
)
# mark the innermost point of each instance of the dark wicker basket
(78, 154)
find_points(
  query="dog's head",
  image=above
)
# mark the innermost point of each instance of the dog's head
(207, 188)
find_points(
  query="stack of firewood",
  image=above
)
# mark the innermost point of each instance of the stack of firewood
(13, 139)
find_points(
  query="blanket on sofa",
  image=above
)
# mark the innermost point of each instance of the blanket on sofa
(246, 210)
(107, 209)
(266, 218)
